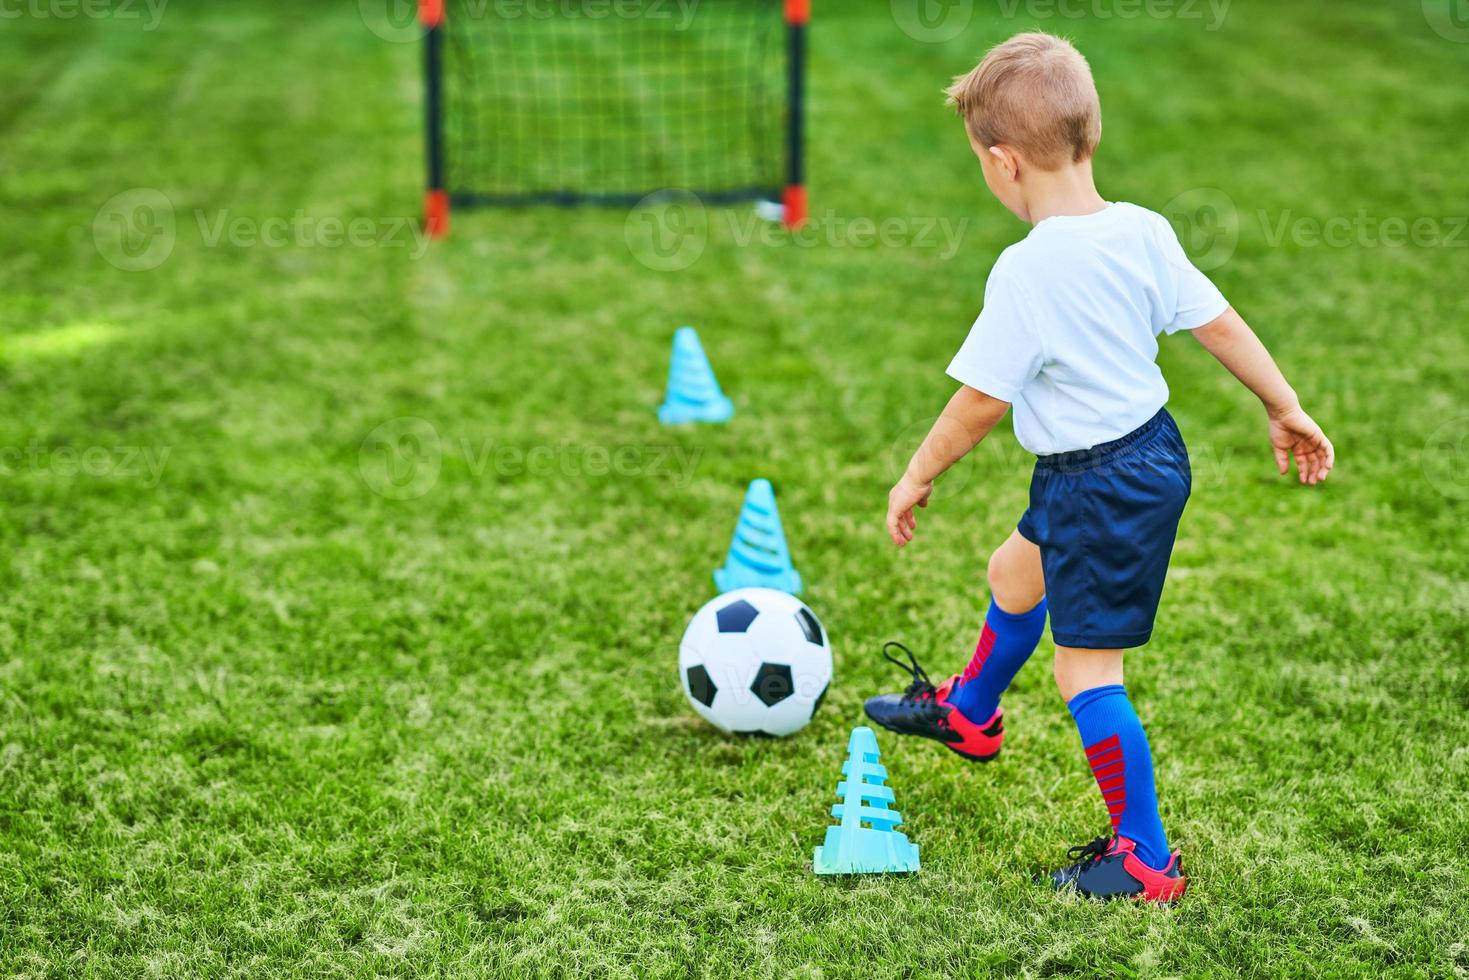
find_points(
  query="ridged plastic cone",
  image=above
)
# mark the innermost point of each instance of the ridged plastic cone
(867, 840)
(693, 392)
(758, 553)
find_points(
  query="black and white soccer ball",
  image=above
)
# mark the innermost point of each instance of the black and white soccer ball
(755, 661)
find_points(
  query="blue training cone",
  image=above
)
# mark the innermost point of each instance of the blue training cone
(867, 840)
(693, 392)
(758, 554)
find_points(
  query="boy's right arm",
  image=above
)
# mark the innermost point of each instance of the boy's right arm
(1292, 431)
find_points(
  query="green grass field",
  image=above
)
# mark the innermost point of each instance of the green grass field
(261, 717)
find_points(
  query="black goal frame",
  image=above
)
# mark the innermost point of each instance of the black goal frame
(439, 199)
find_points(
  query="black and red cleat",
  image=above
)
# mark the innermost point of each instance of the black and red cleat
(925, 710)
(1108, 868)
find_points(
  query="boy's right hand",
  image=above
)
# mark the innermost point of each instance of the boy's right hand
(1294, 433)
(906, 494)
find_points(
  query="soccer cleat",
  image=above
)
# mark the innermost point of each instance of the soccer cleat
(1108, 868)
(926, 710)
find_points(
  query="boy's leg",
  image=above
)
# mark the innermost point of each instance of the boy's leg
(976, 732)
(1106, 519)
(1012, 628)
(1116, 747)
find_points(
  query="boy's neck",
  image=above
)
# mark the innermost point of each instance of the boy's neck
(1068, 191)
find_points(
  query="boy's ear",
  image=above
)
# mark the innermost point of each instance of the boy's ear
(1006, 159)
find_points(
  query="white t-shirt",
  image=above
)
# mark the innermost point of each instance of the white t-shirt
(1069, 329)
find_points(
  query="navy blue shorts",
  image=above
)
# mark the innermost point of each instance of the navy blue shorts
(1105, 519)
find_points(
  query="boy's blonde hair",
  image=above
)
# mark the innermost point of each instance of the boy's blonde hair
(1033, 92)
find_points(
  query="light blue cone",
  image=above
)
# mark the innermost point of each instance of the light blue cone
(758, 554)
(867, 840)
(693, 391)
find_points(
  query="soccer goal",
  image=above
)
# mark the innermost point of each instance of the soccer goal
(607, 101)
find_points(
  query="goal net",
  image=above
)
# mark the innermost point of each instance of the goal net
(606, 101)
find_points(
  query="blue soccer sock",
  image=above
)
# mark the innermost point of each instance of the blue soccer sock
(1005, 644)
(1117, 750)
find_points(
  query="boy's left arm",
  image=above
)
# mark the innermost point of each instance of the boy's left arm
(1292, 431)
(968, 418)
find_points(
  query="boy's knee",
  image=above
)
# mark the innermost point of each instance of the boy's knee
(995, 573)
(1014, 587)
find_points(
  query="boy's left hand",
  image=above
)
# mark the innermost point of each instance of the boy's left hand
(1293, 433)
(906, 494)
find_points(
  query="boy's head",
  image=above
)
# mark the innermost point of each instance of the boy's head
(1033, 95)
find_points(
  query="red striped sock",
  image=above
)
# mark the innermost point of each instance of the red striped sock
(1117, 751)
(1109, 768)
(1005, 644)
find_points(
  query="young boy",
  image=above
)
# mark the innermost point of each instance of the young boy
(1068, 337)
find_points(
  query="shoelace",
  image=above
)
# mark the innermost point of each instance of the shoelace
(921, 688)
(1094, 851)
